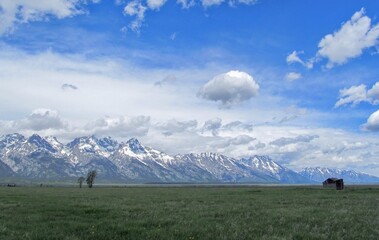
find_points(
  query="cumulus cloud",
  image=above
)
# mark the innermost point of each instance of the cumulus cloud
(230, 88)
(292, 76)
(372, 123)
(40, 119)
(357, 94)
(120, 127)
(67, 86)
(14, 12)
(213, 126)
(286, 141)
(350, 40)
(173, 126)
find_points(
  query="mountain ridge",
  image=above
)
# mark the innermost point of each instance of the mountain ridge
(47, 158)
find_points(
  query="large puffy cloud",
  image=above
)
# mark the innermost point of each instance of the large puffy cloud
(350, 40)
(13, 12)
(230, 88)
(372, 122)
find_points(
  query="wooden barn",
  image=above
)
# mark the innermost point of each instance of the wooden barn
(333, 183)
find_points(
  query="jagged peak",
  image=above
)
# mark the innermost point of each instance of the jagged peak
(12, 136)
(135, 146)
(10, 139)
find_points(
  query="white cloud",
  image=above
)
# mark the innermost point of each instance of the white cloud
(40, 119)
(373, 93)
(372, 122)
(119, 127)
(238, 125)
(209, 3)
(14, 12)
(292, 76)
(186, 3)
(155, 4)
(353, 95)
(230, 88)
(294, 58)
(213, 126)
(135, 8)
(298, 139)
(173, 126)
(246, 2)
(357, 94)
(350, 40)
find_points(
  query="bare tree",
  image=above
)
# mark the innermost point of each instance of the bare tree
(80, 181)
(90, 178)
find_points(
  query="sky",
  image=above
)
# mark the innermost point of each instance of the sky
(297, 80)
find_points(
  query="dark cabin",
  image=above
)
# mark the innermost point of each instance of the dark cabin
(333, 183)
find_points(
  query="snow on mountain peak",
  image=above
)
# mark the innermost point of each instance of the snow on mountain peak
(135, 146)
(11, 139)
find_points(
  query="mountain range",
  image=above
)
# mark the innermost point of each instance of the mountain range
(46, 158)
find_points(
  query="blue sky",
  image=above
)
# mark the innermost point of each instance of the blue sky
(177, 76)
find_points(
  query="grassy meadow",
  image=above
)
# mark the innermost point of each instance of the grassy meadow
(189, 213)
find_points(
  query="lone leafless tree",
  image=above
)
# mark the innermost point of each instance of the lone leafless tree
(80, 181)
(90, 178)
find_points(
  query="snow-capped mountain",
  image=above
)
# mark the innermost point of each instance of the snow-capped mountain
(319, 174)
(267, 169)
(39, 157)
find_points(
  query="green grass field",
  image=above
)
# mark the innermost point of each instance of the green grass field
(189, 213)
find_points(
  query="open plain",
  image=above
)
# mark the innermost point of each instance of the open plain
(189, 212)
